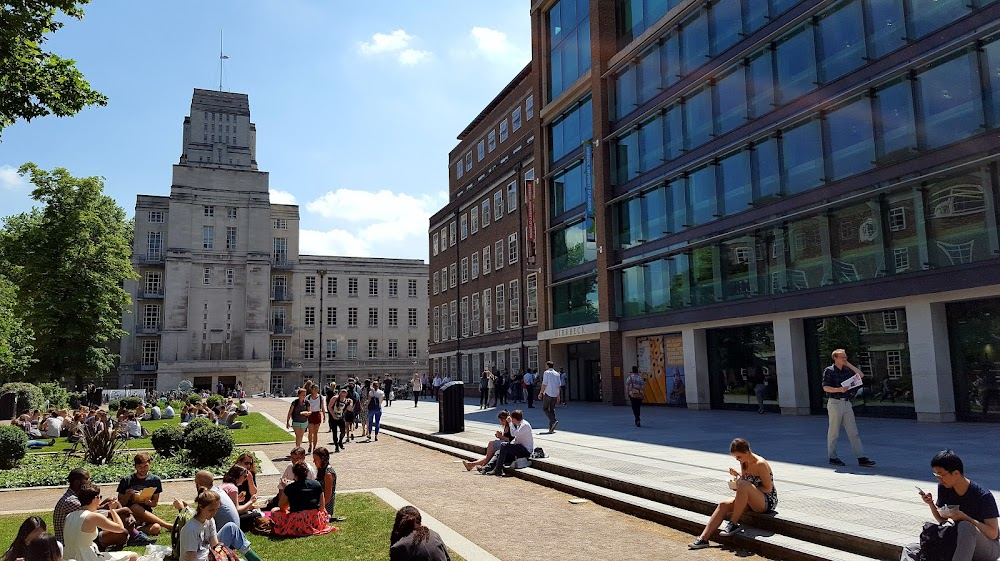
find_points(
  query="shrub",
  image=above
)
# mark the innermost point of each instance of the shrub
(168, 440)
(29, 396)
(56, 395)
(208, 445)
(13, 445)
(101, 447)
(178, 405)
(114, 405)
(215, 401)
(131, 402)
(75, 399)
(194, 424)
(194, 399)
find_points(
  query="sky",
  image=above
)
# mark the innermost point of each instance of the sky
(356, 104)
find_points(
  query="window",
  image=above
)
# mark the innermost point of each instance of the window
(436, 324)
(796, 64)
(897, 219)
(411, 317)
(411, 348)
(459, 170)
(331, 349)
(231, 213)
(901, 259)
(309, 349)
(514, 297)
(950, 99)
(279, 224)
(515, 118)
(454, 319)
(465, 270)
(207, 278)
(841, 33)
(230, 237)
(230, 276)
(435, 284)
(480, 151)
(890, 320)
(569, 40)
(498, 261)
(486, 212)
(150, 316)
(310, 316)
(280, 251)
(512, 248)
(372, 287)
(464, 226)
(154, 282)
(465, 316)
(331, 317)
(310, 285)
(434, 244)
(488, 310)
(475, 314)
(372, 317)
(451, 234)
(515, 360)
(150, 351)
(393, 317)
(503, 130)
(352, 348)
(533, 357)
(501, 310)
(468, 161)
(445, 324)
(411, 288)
(852, 139)
(156, 216)
(209, 211)
(207, 237)
(393, 348)
(894, 364)
(352, 317)
(453, 282)
(474, 219)
(444, 279)
(352, 286)
(531, 294)
(393, 287)
(486, 259)
(529, 108)
(475, 265)
(497, 205)
(444, 239)
(331, 286)
(512, 196)
(492, 141)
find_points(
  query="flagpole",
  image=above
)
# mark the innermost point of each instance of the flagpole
(221, 55)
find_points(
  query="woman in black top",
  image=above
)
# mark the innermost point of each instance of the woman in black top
(410, 541)
(301, 510)
(298, 417)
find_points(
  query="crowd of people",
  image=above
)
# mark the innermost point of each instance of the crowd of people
(356, 406)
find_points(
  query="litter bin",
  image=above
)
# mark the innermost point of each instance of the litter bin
(451, 409)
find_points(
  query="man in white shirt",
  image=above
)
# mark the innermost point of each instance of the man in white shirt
(520, 446)
(298, 456)
(437, 387)
(52, 426)
(550, 394)
(168, 412)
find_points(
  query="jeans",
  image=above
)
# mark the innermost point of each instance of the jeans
(336, 424)
(510, 452)
(232, 537)
(416, 396)
(374, 420)
(841, 412)
(758, 390)
(973, 545)
(39, 443)
(484, 397)
(531, 396)
(549, 407)
(636, 406)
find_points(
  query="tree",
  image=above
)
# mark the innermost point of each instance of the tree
(15, 338)
(35, 83)
(71, 258)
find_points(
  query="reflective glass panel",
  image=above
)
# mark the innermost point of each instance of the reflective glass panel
(842, 39)
(625, 92)
(649, 75)
(766, 169)
(992, 56)
(704, 202)
(694, 41)
(796, 63)
(889, 26)
(895, 119)
(960, 228)
(808, 265)
(928, 15)
(856, 249)
(852, 141)
(731, 93)
(728, 24)
(626, 157)
(950, 101)
(651, 144)
(673, 129)
(567, 190)
(575, 303)
(677, 212)
(705, 280)
(698, 114)
(802, 150)
(734, 172)
(570, 248)
(735, 256)
(761, 84)
(906, 247)
(670, 59)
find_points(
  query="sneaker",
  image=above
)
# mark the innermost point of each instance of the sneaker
(728, 528)
(554, 425)
(865, 462)
(480, 469)
(140, 539)
(698, 544)
(837, 462)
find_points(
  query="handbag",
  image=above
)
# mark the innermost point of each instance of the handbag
(220, 552)
(938, 541)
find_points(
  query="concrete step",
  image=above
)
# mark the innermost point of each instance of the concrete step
(772, 536)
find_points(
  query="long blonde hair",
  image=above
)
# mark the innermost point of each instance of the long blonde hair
(205, 499)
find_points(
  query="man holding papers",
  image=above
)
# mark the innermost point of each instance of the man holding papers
(839, 379)
(140, 492)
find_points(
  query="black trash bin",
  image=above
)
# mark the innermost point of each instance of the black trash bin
(451, 408)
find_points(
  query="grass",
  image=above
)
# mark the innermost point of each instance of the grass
(256, 428)
(364, 535)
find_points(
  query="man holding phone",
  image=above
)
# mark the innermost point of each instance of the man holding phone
(840, 409)
(972, 507)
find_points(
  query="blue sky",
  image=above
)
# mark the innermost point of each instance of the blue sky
(357, 104)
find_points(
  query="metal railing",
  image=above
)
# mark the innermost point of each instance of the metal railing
(281, 295)
(281, 329)
(149, 294)
(149, 329)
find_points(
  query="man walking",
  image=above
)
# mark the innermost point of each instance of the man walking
(549, 394)
(529, 386)
(635, 386)
(839, 379)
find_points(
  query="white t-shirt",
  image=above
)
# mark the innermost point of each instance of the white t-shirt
(168, 413)
(289, 475)
(53, 426)
(196, 536)
(134, 428)
(550, 379)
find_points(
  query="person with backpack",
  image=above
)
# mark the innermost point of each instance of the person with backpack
(337, 409)
(635, 386)
(375, 398)
(215, 521)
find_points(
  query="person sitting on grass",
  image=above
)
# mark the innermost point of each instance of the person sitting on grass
(142, 509)
(82, 527)
(223, 513)
(31, 528)
(502, 436)
(327, 476)
(70, 502)
(168, 411)
(300, 510)
(198, 534)
(44, 548)
(412, 541)
(754, 489)
(133, 427)
(53, 426)
(298, 456)
(236, 476)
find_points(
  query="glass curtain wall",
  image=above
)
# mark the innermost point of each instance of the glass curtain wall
(974, 333)
(739, 360)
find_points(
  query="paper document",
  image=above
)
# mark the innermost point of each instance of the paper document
(145, 494)
(852, 382)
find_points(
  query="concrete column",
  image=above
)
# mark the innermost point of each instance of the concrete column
(930, 362)
(696, 369)
(793, 373)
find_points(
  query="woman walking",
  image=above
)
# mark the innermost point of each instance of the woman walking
(417, 387)
(374, 410)
(484, 389)
(317, 414)
(298, 417)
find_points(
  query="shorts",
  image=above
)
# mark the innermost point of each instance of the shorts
(349, 416)
(300, 425)
(315, 418)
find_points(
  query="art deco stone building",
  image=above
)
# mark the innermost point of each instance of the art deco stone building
(224, 295)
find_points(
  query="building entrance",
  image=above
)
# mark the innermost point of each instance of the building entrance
(583, 365)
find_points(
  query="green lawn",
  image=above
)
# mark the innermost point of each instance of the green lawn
(364, 535)
(256, 428)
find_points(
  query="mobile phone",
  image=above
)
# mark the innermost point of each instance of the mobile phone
(919, 490)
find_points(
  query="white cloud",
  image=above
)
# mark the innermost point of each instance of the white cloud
(494, 45)
(371, 223)
(9, 178)
(280, 197)
(398, 43)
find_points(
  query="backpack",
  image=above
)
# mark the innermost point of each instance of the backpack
(938, 541)
(222, 553)
(175, 535)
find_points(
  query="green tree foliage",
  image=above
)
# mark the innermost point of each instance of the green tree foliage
(71, 258)
(15, 338)
(34, 83)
